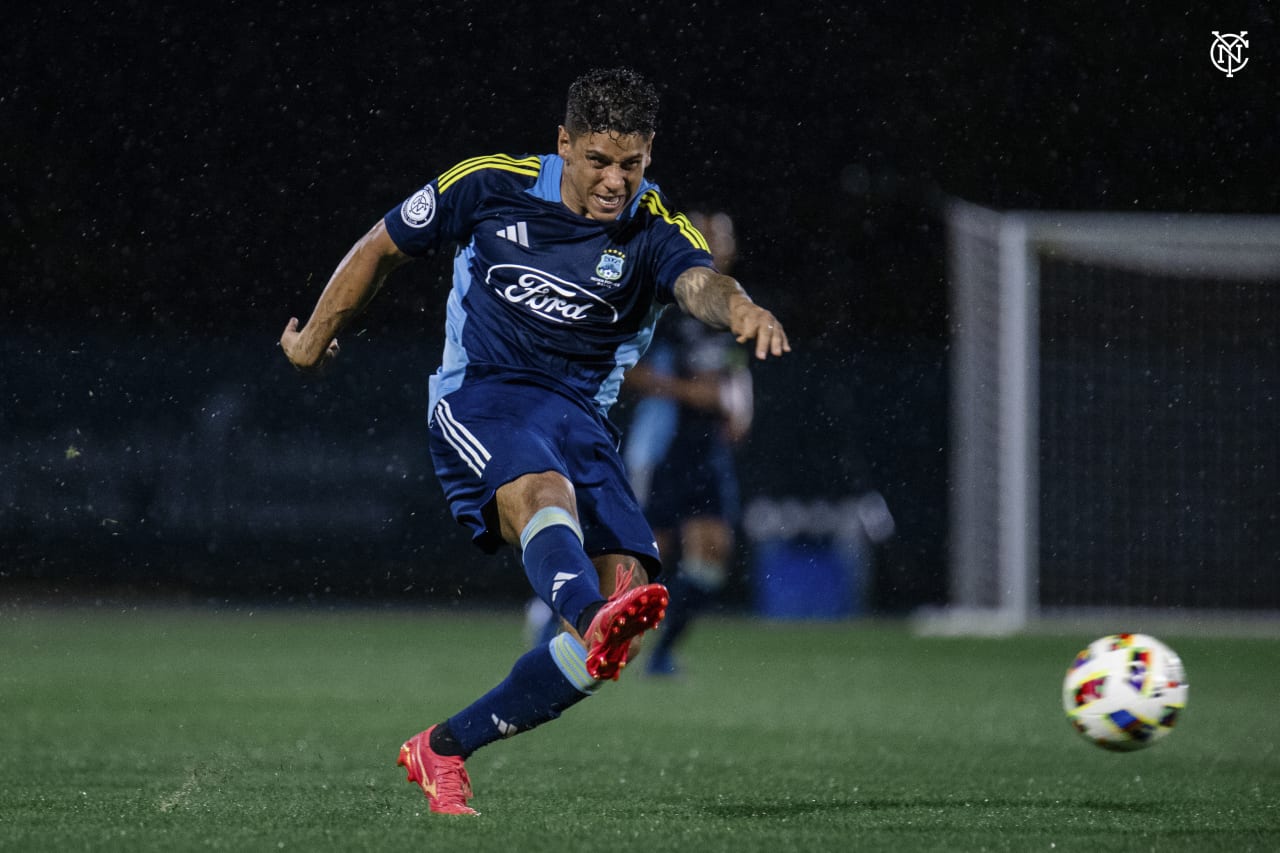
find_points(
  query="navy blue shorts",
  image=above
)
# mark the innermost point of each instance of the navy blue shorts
(495, 429)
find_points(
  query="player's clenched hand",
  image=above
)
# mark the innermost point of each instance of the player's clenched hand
(748, 321)
(295, 350)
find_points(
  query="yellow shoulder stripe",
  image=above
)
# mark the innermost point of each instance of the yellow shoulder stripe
(526, 166)
(651, 202)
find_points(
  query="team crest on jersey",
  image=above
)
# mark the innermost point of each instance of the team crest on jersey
(610, 266)
(420, 208)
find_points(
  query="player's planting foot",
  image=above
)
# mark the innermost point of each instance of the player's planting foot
(443, 778)
(626, 615)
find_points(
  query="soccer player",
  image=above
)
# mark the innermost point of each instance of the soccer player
(563, 264)
(697, 404)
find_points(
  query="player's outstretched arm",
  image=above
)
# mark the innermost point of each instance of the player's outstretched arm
(719, 301)
(354, 282)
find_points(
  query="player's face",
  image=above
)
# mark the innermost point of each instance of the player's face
(602, 172)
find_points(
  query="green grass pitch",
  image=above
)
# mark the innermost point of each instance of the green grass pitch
(139, 729)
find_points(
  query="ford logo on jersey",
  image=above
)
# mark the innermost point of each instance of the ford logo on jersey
(549, 297)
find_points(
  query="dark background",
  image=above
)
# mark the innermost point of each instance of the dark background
(178, 181)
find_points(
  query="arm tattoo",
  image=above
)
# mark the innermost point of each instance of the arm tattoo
(708, 295)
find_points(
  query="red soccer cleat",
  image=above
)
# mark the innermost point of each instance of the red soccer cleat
(626, 615)
(443, 778)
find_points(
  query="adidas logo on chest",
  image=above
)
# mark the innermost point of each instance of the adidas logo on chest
(517, 233)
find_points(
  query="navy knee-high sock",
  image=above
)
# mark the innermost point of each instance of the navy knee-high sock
(558, 569)
(544, 682)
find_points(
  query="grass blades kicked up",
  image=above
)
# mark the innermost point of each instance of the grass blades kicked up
(151, 729)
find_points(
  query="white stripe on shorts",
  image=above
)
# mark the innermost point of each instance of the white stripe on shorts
(461, 439)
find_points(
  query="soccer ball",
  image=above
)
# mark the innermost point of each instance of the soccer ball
(1125, 691)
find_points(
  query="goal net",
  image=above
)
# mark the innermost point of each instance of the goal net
(1115, 415)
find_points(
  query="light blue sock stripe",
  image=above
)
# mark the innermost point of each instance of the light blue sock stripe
(546, 517)
(571, 658)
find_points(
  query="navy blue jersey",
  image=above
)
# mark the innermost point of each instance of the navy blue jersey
(537, 288)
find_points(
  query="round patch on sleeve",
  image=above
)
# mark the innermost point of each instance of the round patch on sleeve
(420, 208)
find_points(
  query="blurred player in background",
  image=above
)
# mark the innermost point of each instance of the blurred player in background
(697, 404)
(563, 261)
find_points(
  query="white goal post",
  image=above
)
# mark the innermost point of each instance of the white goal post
(997, 264)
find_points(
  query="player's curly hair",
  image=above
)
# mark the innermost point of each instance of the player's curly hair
(612, 100)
